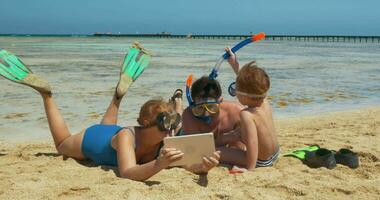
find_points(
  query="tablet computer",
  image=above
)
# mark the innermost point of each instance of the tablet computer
(194, 147)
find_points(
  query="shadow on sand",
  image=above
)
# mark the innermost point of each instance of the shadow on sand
(86, 163)
(47, 154)
(202, 180)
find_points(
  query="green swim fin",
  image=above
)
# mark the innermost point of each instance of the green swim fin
(135, 62)
(12, 68)
(301, 152)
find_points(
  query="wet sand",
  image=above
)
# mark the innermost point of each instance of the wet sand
(33, 170)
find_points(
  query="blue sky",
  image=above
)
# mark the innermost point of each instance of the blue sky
(336, 17)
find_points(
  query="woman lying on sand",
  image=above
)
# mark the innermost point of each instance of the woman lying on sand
(134, 150)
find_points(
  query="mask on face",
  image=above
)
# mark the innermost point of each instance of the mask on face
(210, 106)
(166, 121)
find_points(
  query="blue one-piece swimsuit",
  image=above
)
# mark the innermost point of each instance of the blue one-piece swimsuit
(96, 144)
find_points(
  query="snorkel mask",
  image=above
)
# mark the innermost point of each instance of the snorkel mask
(214, 74)
(198, 107)
(233, 92)
(166, 121)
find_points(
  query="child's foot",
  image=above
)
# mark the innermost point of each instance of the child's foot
(236, 170)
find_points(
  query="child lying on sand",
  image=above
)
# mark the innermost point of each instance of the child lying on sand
(256, 120)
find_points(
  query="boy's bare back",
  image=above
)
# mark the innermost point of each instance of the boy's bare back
(266, 134)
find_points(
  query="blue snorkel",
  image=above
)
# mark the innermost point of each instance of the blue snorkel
(226, 55)
(215, 71)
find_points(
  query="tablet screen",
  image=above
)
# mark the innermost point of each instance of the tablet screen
(194, 147)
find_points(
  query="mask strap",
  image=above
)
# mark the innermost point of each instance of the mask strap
(206, 119)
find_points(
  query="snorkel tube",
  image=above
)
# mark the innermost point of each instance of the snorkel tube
(189, 80)
(253, 38)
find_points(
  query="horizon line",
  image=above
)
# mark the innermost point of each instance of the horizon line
(98, 34)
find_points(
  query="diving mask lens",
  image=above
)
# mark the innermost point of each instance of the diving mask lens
(168, 121)
(200, 110)
(212, 108)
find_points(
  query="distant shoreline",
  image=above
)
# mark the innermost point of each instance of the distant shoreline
(312, 38)
(176, 35)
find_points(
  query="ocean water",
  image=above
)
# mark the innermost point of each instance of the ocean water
(307, 78)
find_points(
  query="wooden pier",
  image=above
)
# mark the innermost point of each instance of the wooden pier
(303, 38)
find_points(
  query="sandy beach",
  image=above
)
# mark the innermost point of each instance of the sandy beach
(35, 171)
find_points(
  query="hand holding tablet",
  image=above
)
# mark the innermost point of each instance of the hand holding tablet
(193, 147)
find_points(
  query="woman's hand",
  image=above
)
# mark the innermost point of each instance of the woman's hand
(232, 60)
(167, 156)
(210, 162)
(207, 164)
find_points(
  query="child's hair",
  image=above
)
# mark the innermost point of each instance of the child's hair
(151, 108)
(252, 79)
(206, 88)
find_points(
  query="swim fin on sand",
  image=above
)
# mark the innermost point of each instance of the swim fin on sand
(301, 152)
(315, 157)
(12, 68)
(135, 62)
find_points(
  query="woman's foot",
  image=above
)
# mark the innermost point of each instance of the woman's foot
(176, 100)
(135, 62)
(122, 86)
(37, 83)
(12, 68)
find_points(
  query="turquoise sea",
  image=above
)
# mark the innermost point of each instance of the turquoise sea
(307, 78)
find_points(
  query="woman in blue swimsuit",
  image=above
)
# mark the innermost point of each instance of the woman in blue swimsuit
(133, 150)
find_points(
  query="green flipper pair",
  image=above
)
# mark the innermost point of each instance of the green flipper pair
(12, 68)
(301, 152)
(135, 62)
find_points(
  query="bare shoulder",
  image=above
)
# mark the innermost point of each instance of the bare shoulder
(124, 136)
(247, 114)
(232, 106)
(125, 132)
(186, 115)
(189, 123)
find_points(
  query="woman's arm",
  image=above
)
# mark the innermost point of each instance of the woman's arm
(124, 145)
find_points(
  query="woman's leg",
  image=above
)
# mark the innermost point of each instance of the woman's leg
(110, 117)
(65, 143)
